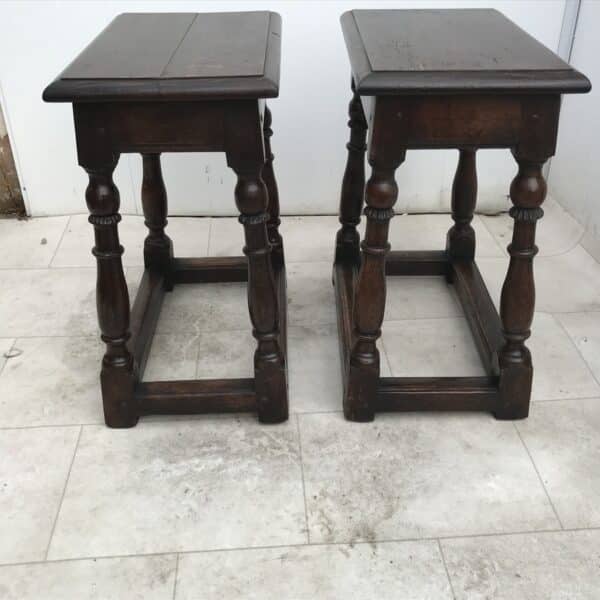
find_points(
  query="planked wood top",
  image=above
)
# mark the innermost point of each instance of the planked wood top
(167, 56)
(450, 51)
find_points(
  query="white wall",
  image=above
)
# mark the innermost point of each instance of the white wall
(573, 171)
(38, 39)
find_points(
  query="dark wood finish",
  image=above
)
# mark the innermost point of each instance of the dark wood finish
(269, 362)
(460, 242)
(273, 209)
(196, 396)
(353, 184)
(117, 376)
(430, 79)
(517, 300)
(411, 262)
(178, 57)
(450, 51)
(479, 310)
(210, 270)
(148, 85)
(369, 297)
(158, 247)
(144, 316)
(406, 394)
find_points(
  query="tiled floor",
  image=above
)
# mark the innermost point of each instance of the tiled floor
(417, 506)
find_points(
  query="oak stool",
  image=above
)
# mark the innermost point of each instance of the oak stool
(464, 79)
(153, 83)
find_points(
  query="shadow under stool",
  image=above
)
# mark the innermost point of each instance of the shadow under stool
(429, 79)
(181, 82)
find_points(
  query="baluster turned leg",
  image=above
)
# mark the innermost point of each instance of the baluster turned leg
(353, 185)
(158, 247)
(369, 297)
(112, 299)
(460, 241)
(269, 365)
(527, 193)
(273, 209)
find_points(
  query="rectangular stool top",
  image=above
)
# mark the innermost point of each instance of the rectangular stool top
(176, 56)
(450, 51)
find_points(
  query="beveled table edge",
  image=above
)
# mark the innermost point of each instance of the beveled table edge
(379, 83)
(177, 89)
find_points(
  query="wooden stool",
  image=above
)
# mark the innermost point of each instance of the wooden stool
(463, 79)
(153, 83)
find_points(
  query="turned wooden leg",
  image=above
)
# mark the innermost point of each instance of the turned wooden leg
(158, 247)
(269, 363)
(527, 193)
(369, 295)
(112, 299)
(353, 185)
(268, 176)
(460, 241)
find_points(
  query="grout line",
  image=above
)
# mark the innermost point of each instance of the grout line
(576, 312)
(95, 336)
(303, 482)
(385, 355)
(62, 497)
(496, 240)
(62, 235)
(176, 575)
(543, 401)
(177, 418)
(209, 236)
(586, 250)
(539, 475)
(589, 367)
(199, 336)
(446, 569)
(50, 425)
(350, 543)
(50, 269)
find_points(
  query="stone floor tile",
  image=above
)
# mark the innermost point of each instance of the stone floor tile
(420, 298)
(569, 282)
(47, 302)
(172, 357)
(558, 369)
(53, 381)
(206, 483)
(34, 464)
(584, 330)
(189, 235)
(362, 572)
(133, 578)
(542, 566)
(563, 438)
(226, 354)
(431, 348)
(311, 299)
(30, 243)
(422, 475)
